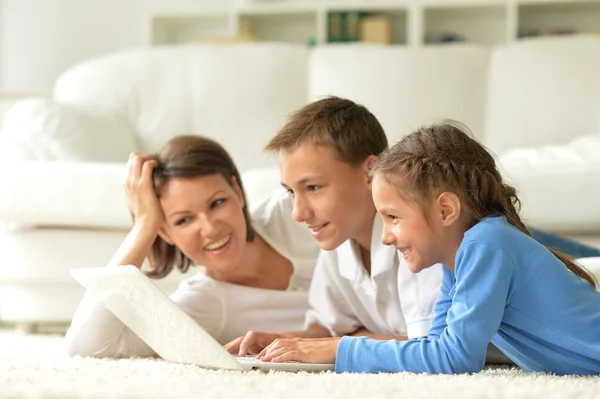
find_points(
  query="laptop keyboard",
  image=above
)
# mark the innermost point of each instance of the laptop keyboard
(248, 360)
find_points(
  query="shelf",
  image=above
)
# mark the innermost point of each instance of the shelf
(181, 28)
(289, 27)
(540, 18)
(414, 22)
(398, 20)
(479, 24)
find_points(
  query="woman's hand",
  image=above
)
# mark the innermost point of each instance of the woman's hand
(141, 197)
(305, 350)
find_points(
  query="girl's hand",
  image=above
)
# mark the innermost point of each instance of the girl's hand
(253, 342)
(305, 350)
(141, 197)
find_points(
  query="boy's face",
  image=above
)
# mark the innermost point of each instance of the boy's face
(333, 199)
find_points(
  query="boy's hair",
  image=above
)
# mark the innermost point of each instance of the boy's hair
(349, 128)
(444, 157)
(189, 156)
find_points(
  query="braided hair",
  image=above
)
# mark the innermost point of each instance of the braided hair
(444, 157)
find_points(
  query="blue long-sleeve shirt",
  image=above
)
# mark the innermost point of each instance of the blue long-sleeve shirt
(508, 289)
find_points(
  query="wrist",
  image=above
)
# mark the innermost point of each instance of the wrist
(145, 227)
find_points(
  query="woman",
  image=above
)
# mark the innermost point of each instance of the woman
(189, 207)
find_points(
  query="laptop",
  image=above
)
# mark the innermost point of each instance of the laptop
(169, 331)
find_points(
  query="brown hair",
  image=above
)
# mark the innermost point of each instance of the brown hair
(189, 156)
(349, 128)
(444, 157)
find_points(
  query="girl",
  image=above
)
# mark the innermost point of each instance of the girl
(443, 200)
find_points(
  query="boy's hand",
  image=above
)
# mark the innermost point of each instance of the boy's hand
(253, 342)
(305, 350)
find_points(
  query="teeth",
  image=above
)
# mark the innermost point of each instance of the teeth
(217, 244)
(317, 228)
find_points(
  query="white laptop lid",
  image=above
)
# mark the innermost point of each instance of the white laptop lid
(154, 317)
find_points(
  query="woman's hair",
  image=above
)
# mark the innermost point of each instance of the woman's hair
(189, 156)
(444, 157)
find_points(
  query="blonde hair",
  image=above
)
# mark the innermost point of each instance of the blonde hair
(444, 157)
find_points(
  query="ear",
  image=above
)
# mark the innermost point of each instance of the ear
(447, 208)
(238, 190)
(368, 164)
(162, 232)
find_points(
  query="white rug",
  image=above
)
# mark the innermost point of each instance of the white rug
(35, 367)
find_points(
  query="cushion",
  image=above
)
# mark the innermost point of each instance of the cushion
(42, 130)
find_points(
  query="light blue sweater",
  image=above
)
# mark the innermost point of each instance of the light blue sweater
(508, 289)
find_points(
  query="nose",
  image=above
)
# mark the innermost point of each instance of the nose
(210, 226)
(301, 211)
(387, 238)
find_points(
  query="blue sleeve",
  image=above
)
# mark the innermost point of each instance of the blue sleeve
(442, 306)
(484, 275)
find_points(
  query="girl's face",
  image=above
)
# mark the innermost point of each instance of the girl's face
(406, 227)
(332, 198)
(204, 218)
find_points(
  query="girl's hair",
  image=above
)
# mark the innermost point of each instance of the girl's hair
(444, 157)
(189, 156)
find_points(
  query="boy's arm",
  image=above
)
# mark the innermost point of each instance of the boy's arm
(484, 278)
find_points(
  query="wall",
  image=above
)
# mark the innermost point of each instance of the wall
(41, 38)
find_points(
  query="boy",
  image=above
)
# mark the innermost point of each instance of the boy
(325, 152)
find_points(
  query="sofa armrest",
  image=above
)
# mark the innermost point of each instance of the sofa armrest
(43, 130)
(559, 186)
(73, 194)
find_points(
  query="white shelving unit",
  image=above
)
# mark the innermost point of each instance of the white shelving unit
(414, 22)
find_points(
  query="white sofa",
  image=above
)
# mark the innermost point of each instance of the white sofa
(62, 161)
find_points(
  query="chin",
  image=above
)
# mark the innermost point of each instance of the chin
(415, 268)
(329, 244)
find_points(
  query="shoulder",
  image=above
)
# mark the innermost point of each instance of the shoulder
(272, 217)
(272, 220)
(492, 241)
(198, 289)
(498, 232)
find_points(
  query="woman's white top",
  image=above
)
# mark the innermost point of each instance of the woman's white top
(391, 301)
(224, 310)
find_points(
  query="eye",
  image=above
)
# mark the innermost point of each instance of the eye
(290, 192)
(391, 218)
(217, 202)
(183, 221)
(313, 187)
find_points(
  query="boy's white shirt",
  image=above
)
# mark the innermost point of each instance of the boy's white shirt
(392, 300)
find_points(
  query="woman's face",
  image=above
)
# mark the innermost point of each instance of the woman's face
(204, 218)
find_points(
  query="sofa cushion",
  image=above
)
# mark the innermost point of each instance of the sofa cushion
(559, 186)
(68, 194)
(42, 130)
(238, 94)
(405, 87)
(543, 91)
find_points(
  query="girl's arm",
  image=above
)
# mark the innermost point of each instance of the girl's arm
(484, 283)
